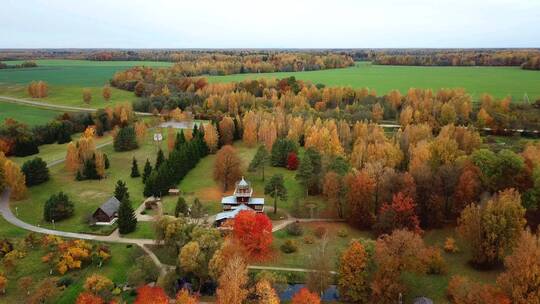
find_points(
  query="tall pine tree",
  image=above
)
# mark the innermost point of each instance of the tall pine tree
(135, 168)
(160, 158)
(146, 171)
(127, 221)
(121, 191)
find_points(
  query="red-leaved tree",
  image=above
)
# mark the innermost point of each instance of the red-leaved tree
(151, 295)
(398, 215)
(304, 296)
(292, 161)
(254, 232)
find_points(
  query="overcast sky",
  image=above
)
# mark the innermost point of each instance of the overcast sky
(269, 24)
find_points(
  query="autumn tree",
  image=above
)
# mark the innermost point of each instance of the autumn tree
(276, 189)
(88, 298)
(304, 296)
(254, 231)
(44, 291)
(87, 96)
(226, 131)
(260, 160)
(98, 284)
(3, 284)
(183, 297)
(468, 187)
(353, 272)
(494, 227)
(227, 167)
(400, 214)
(250, 129)
(522, 269)
(25, 283)
(211, 137)
(265, 293)
(13, 177)
(394, 254)
(106, 93)
(232, 282)
(333, 191)
(359, 199)
(462, 290)
(151, 295)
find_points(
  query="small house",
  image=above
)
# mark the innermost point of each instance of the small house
(108, 211)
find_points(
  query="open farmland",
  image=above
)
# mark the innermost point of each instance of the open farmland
(68, 78)
(497, 81)
(27, 114)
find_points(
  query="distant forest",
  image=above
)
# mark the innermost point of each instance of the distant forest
(236, 61)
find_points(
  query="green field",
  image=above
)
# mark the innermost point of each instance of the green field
(68, 78)
(498, 81)
(29, 115)
(71, 72)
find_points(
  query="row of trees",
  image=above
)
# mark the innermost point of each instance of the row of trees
(167, 173)
(20, 140)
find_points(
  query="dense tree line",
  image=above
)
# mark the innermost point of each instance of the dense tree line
(25, 64)
(456, 57)
(19, 139)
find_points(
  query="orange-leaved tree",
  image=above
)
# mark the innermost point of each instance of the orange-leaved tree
(304, 296)
(151, 295)
(88, 298)
(353, 281)
(227, 167)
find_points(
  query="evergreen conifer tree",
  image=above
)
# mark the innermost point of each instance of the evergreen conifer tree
(127, 221)
(121, 191)
(181, 207)
(135, 168)
(146, 171)
(160, 158)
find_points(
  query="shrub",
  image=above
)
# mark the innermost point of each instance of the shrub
(343, 232)
(450, 245)
(309, 239)
(64, 281)
(320, 231)
(58, 207)
(289, 246)
(295, 229)
(434, 261)
(36, 171)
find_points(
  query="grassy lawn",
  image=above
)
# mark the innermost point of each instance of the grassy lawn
(116, 269)
(145, 230)
(498, 81)
(301, 258)
(199, 183)
(87, 195)
(9, 231)
(29, 115)
(434, 286)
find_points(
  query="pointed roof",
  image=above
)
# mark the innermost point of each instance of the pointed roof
(243, 183)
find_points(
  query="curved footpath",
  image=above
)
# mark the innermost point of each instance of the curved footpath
(6, 213)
